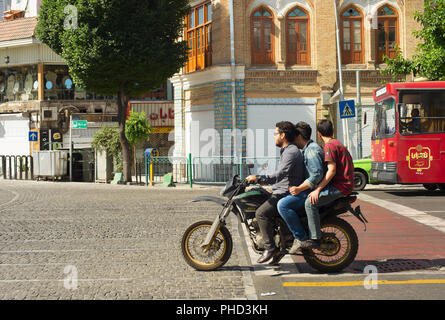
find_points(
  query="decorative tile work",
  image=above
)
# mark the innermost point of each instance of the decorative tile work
(223, 112)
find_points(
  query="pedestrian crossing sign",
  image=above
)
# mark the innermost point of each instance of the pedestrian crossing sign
(347, 109)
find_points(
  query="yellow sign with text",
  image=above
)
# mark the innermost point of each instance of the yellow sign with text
(419, 158)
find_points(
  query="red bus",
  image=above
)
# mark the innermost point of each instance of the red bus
(408, 135)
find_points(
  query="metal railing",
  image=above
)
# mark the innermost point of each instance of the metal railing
(155, 168)
(205, 170)
(16, 167)
(218, 170)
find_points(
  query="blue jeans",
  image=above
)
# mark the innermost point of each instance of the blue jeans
(288, 207)
(326, 196)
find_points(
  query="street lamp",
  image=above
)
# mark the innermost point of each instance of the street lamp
(7, 60)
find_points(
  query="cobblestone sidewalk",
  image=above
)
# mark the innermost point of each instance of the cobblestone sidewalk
(122, 242)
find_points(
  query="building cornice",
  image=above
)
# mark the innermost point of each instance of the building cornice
(19, 42)
(207, 76)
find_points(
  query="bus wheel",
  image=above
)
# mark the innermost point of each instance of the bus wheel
(441, 186)
(430, 186)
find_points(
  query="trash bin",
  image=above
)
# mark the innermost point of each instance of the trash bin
(50, 164)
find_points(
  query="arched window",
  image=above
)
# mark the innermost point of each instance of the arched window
(352, 36)
(262, 32)
(297, 35)
(387, 33)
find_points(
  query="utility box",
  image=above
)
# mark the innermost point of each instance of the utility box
(50, 164)
(104, 167)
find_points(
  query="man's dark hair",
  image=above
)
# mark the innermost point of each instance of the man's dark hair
(288, 129)
(325, 128)
(304, 129)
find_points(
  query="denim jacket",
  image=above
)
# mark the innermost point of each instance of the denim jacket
(314, 164)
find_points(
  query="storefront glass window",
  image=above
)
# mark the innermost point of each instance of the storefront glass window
(18, 84)
(21, 84)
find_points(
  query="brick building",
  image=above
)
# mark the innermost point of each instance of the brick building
(285, 68)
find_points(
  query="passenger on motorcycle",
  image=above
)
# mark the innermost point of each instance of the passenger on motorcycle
(290, 173)
(338, 181)
(314, 172)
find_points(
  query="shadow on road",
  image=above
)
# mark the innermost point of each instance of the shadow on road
(384, 266)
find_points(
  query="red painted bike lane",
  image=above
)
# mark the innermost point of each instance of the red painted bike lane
(391, 242)
(393, 236)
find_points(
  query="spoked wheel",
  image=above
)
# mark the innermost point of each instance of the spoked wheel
(202, 258)
(338, 249)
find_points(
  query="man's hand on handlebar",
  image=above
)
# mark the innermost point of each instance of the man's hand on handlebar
(252, 179)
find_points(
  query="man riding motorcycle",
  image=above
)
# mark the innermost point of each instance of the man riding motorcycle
(290, 173)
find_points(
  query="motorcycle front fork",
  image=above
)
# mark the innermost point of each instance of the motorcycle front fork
(219, 220)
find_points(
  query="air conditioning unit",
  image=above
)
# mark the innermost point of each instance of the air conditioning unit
(49, 114)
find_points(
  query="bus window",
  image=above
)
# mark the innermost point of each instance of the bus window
(422, 112)
(385, 119)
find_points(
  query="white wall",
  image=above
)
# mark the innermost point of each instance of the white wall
(14, 130)
(200, 138)
(261, 119)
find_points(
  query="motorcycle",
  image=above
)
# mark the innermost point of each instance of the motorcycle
(207, 245)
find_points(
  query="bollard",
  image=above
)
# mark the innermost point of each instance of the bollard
(10, 167)
(4, 166)
(190, 170)
(15, 167)
(31, 159)
(20, 167)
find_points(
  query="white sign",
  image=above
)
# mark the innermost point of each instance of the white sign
(380, 92)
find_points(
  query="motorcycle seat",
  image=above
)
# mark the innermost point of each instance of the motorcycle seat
(335, 205)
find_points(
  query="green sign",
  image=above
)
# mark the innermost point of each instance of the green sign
(80, 124)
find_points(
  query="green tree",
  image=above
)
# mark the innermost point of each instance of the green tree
(116, 47)
(429, 61)
(397, 66)
(137, 129)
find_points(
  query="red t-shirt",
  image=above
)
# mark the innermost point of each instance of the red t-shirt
(344, 176)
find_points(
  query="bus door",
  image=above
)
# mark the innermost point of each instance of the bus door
(383, 151)
(421, 156)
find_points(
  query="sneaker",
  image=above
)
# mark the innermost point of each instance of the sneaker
(311, 244)
(296, 246)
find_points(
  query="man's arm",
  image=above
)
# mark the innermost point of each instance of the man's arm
(284, 167)
(286, 163)
(332, 168)
(315, 168)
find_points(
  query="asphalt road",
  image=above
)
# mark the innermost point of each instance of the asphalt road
(412, 196)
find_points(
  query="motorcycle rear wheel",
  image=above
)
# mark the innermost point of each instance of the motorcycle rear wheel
(206, 260)
(339, 247)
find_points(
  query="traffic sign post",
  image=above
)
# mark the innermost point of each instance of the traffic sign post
(347, 109)
(33, 136)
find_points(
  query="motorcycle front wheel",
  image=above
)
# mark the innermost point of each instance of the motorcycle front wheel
(338, 249)
(201, 258)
